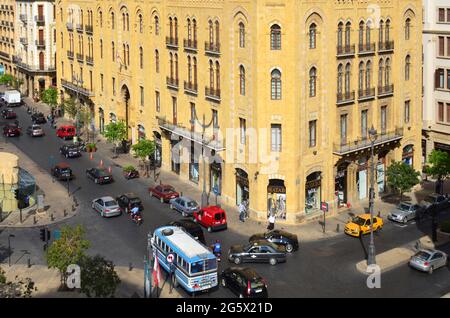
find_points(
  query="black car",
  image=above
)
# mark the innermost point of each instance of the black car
(62, 171)
(38, 118)
(190, 227)
(257, 252)
(99, 175)
(129, 200)
(282, 238)
(70, 151)
(244, 282)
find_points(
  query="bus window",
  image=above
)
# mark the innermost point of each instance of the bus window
(211, 264)
(197, 267)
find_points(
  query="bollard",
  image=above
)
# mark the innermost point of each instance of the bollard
(130, 267)
(51, 217)
(34, 219)
(337, 228)
(65, 212)
(29, 262)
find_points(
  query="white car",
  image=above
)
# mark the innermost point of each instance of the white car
(106, 206)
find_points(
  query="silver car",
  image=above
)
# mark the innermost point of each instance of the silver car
(106, 206)
(185, 205)
(405, 212)
(428, 260)
(35, 131)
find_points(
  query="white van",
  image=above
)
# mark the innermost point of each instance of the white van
(12, 98)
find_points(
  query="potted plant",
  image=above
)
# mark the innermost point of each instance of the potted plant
(91, 147)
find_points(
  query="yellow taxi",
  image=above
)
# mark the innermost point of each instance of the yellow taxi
(360, 225)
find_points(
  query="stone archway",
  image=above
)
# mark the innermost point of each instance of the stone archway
(125, 105)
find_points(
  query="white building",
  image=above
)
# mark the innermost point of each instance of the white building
(35, 45)
(436, 76)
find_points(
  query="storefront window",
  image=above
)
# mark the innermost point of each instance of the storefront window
(242, 186)
(313, 192)
(216, 178)
(408, 153)
(361, 178)
(141, 133)
(341, 186)
(193, 165)
(276, 199)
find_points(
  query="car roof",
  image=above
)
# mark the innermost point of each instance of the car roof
(247, 272)
(131, 195)
(283, 233)
(107, 198)
(62, 165)
(365, 216)
(165, 186)
(213, 209)
(66, 126)
(187, 198)
(261, 243)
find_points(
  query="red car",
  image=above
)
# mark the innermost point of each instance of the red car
(163, 192)
(66, 132)
(211, 217)
(9, 114)
(11, 130)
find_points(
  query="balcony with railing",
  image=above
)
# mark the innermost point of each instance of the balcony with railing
(80, 27)
(212, 94)
(345, 98)
(40, 20)
(32, 69)
(364, 94)
(190, 87)
(89, 29)
(4, 54)
(77, 88)
(365, 143)
(69, 26)
(89, 60)
(366, 48)
(172, 42)
(386, 46)
(172, 82)
(40, 44)
(386, 90)
(23, 18)
(190, 45)
(212, 48)
(80, 57)
(70, 54)
(346, 50)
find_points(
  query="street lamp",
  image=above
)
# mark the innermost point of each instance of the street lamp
(372, 136)
(79, 82)
(9, 248)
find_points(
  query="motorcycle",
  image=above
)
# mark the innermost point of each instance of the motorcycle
(137, 218)
(216, 254)
(131, 174)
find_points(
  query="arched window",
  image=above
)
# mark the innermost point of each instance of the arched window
(388, 28)
(171, 27)
(156, 25)
(347, 78)
(348, 27)
(380, 73)
(100, 18)
(113, 51)
(381, 31)
(407, 28)
(113, 22)
(157, 61)
(141, 24)
(339, 34)
(211, 32)
(189, 29)
(242, 80)
(361, 33)
(141, 58)
(312, 36)
(176, 66)
(387, 71)
(312, 81)
(175, 25)
(361, 76)
(211, 75)
(171, 65)
(368, 75)
(195, 70)
(217, 76)
(241, 35)
(407, 67)
(194, 29)
(340, 78)
(124, 53)
(275, 37)
(189, 70)
(128, 21)
(276, 84)
(101, 48)
(123, 21)
(368, 35)
(62, 40)
(217, 25)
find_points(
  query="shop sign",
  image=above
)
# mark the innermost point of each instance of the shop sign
(276, 189)
(313, 184)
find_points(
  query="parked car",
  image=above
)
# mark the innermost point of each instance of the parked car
(35, 131)
(99, 175)
(70, 151)
(66, 132)
(434, 200)
(128, 200)
(185, 205)
(38, 118)
(282, 238)
(427, 260)
(9, 114)
(360, 225)
(62, 171)
(244, 282)
(405, 212)
(106, 206)
(163, 192)
(212, 217)
(190, 227)
(11, 130)
(257, 252)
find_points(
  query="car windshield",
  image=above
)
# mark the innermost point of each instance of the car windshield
(423, 255)
(110, 203)
(192, 204)
(255, 282)
(359, 221)
(168, 189)
(36, 127)
(201, 266)
(135, 200)
(102, 173)
(65, 170)
(403, 207)
(430, 199)
(72, 147)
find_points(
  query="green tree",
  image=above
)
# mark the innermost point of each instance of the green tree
(115, 132)
(143, 149)
(50, 97)
(438, 167)
(18, 288)
(68, 249)
(99, 279)
(7, 79)
(70, 107)
(401, 177)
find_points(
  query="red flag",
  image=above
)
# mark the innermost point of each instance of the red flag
(156, 272)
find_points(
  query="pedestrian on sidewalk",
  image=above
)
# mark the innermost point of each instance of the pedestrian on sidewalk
(242, 211)
(271, 225)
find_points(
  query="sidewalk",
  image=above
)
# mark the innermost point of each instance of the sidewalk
(58, 206)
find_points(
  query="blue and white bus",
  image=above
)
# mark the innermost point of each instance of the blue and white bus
(195, 267)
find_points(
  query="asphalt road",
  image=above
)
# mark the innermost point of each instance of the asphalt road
(324, 268)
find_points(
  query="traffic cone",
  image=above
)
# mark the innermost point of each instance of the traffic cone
(109, 169)
(91, 156)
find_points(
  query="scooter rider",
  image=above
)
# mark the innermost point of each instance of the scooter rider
(217, 249)
(134, 211)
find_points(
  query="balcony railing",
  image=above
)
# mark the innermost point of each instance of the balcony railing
(190, 44)
(386, 46)
(35, 68)
(212, 48)
(365, 143)
(385, 90)
(212, 93)
(366, 93)
(80, 27)
(80, 57)
(4, 54)
(23, 18)
(69, 26)
(191, 87)
(346, 97)
(89, 60)
(70, 54)
(76, 88)
(40, 44)
(366, 48)
(40, 20)
(172, 42)
(172, 82)
(89, 29)
(346, 50)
